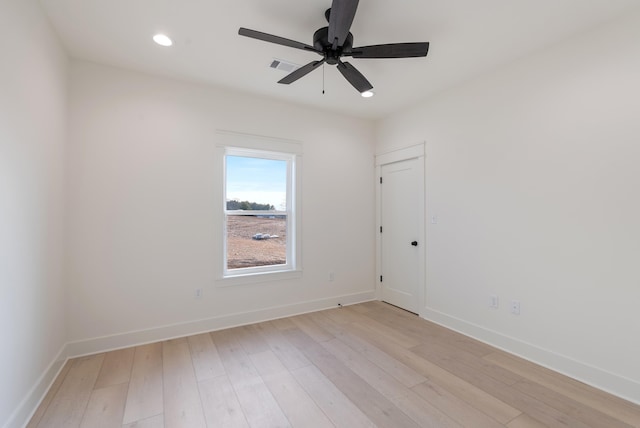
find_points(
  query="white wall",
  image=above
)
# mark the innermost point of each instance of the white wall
(533, 172)
(33, 97)
(142, 207)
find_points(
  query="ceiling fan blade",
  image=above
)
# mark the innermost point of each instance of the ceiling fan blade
(302, 71)
(354, 77)
(392, 50)
(340, 20)
(276, 39)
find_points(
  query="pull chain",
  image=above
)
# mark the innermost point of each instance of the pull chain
(323, 79)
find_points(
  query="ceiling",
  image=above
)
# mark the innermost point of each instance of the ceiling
(468, 37)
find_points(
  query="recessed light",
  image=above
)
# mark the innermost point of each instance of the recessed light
(367, 94)
(162, 40)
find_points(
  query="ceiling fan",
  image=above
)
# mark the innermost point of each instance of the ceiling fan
(335, 41)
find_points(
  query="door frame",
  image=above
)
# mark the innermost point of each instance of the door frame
(397, 155)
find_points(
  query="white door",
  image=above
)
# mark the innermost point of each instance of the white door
(401, 242)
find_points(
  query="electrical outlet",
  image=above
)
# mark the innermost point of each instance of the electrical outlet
(494, 301)
(515, 307)
(198, 293)
(331, 276)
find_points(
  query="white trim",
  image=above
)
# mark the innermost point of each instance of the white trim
(620, 386)
(226, 138)
(401, 154)
(259, 153)
(289, 213)
(258, 277)
(240, 144)
(156, 334)
(28, 406)
(32, 400)
(612, 383)
(378, 283)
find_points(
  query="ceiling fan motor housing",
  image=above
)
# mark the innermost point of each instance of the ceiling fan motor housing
(321, 42)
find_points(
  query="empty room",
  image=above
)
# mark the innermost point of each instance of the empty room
(327, 213)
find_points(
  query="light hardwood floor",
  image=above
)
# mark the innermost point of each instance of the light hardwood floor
(365, 365)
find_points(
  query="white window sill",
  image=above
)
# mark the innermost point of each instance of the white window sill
(255, 278)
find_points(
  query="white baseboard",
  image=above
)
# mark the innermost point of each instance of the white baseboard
(140, 337)
(30, 403)
(601, 379)
(612, 383)
(27, 407)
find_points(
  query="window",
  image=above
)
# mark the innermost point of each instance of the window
(260, 233)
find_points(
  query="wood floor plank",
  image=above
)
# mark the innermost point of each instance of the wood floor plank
(288, 354)
(340, 316)
(236, 363)
(364, 365)
(337, 406)
(116, 368)
(427, 332)
(182, 405)
(258, 404)
(152, 422)
(454, 407)
(398, 338)
(523, 402)
(525, 421)
(365, 369)
(145, 395)
(400, 371)
(283, 323)
(220, 403)
(106, 407)
(268, 364)
(375, 305)
(373, 404)
(251, 340)
(55, 386)
(362, 308)
(438, 351)
(402, 321)
(585, 394)
(313, 330)
(569, 406)
(69, 404)
(473, 395)
(420, 411)
(205, 358)
(299, 408)
(330, 325)
(424, 413)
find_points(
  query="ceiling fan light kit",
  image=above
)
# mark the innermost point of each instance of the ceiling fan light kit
(335, 41)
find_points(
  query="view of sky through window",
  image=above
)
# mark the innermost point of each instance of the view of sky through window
(257, 180)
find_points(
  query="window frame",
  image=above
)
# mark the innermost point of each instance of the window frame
(246, 145)
(288, 212)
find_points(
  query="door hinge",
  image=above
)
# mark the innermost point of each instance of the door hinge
(380, 180)
(380, 278)
(380, 229)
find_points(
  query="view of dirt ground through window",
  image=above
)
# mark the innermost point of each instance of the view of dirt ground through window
(256, 241)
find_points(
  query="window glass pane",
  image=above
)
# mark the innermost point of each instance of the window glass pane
(256, 183)
(259, 240)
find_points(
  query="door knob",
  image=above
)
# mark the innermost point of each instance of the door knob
(414, 243)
